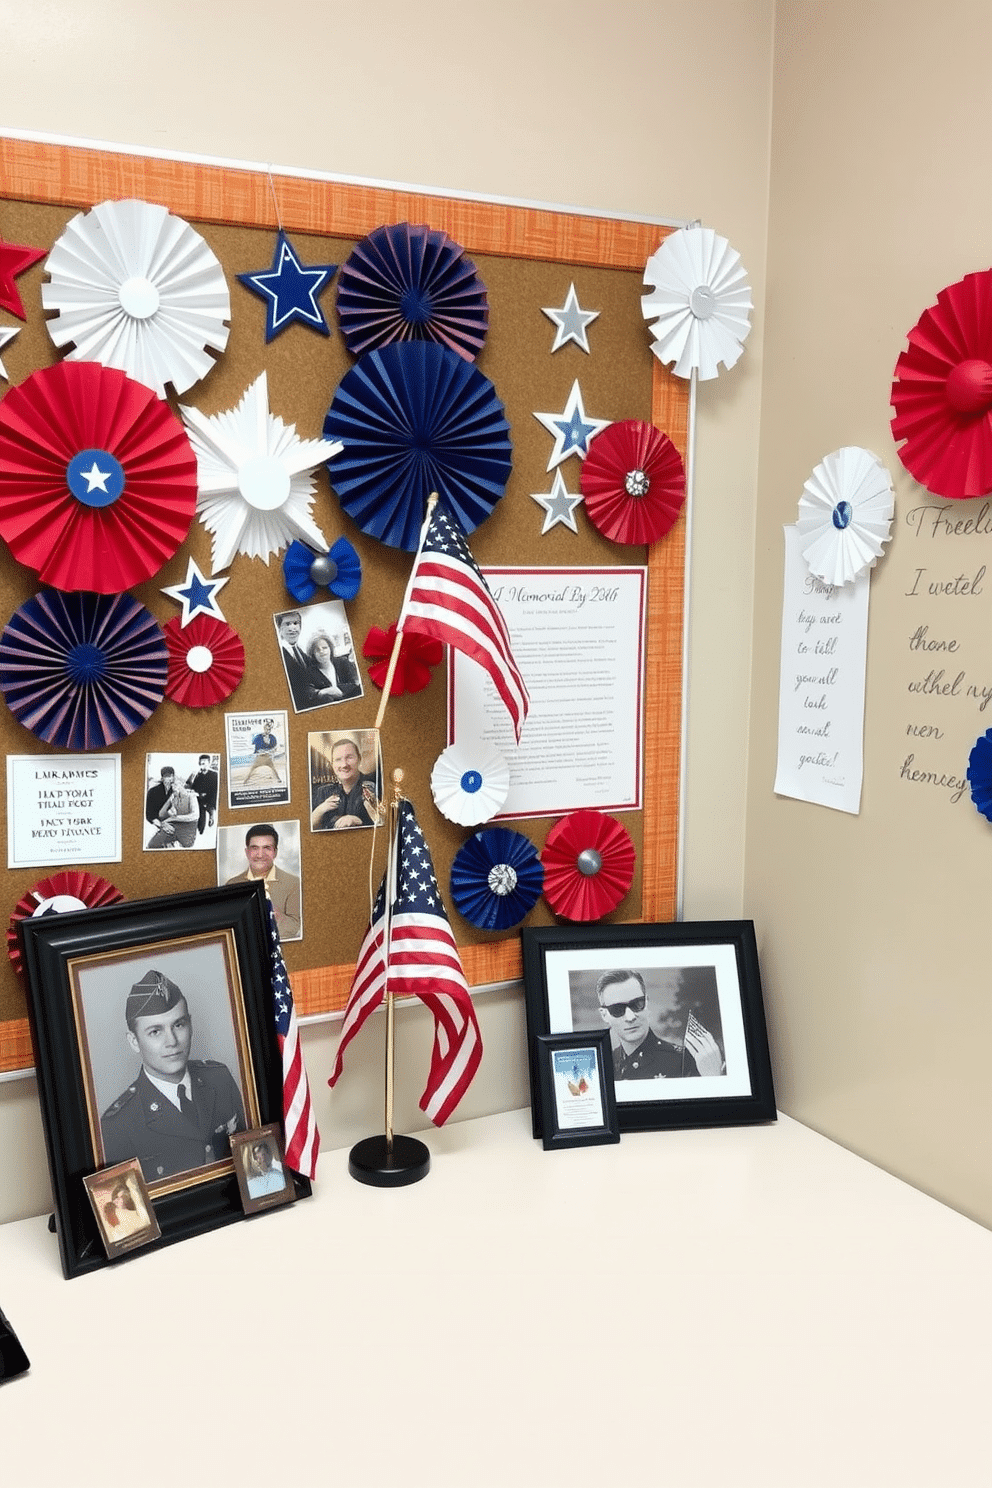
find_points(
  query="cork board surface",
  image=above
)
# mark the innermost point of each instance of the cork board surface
(527, 258)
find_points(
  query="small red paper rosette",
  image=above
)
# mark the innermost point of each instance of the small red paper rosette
(206, 661)
(942, 393)
(633, 482)
(588, 865)
(59, 894)
(418, 656)
(97, 478)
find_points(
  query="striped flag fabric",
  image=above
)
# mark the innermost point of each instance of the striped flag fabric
(421, 960)
(299, 1124)
(448, 598)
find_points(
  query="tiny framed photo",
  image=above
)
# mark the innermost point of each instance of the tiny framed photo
(122, 1207)
(260, 1165)
(575, 1089)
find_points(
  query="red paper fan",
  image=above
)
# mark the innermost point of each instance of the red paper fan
(62, 892)
(206, 661)
(588, 865)
(418, 655)
(98, 479)
(633, 481)
(942, 393)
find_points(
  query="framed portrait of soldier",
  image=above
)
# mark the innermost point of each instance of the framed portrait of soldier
(154, 1031)
(682, 1006)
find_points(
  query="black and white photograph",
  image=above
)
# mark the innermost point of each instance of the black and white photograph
(263, 1178)
(681, 1004)
(122, 1207)
(318, 655)
(181, 802)
(345, 780)
(269, 851)
(257, 759)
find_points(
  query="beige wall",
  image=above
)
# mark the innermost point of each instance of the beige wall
(653, 108)
(873, 929)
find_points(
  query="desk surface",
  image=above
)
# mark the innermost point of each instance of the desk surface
(689, 1308)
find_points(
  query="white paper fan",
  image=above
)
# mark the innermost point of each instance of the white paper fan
(254, 478)
(137, 289)
(845, 514)
(470, 783)
(700, 304)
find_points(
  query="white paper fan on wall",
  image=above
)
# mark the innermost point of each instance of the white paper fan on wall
(137, 288)
(700, 302)
(845, 514)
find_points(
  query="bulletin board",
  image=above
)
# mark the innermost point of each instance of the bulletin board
(527, 257)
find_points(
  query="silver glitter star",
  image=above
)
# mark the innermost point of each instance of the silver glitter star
(571, 321)
(558, 505)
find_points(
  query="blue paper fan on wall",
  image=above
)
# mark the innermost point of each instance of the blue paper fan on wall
(496, 878)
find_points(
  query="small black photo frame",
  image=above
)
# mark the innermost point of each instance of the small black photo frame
(94, 1053)
(264, 1180)
(681, 1006)
(575, 1089)
(122, 1207)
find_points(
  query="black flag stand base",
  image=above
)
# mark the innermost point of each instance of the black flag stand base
(374, 1160)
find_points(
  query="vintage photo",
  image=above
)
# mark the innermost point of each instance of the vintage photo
(318, 655)
(345, 780)
(123, 1208)
(257, 759)
(664, 1022)
(181, 801)
(269, 852)
(263, 1178)
(164, 1054)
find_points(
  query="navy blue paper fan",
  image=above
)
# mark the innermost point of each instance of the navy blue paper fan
(414, 418)
(406, 283)
(82, 670)
(496, 879)
(980, 774)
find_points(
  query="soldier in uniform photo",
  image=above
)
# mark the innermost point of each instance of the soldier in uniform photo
(638, 1052)
(179, 1113)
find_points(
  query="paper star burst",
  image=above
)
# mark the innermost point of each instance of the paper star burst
(15, 258)
(290, 290)
(571, 321)
(196, 594)
(255, 478)
(559, 505)
(572, 428)
(7, 334)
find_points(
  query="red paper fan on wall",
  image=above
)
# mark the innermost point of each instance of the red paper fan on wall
(59, 894)
(418, 656)
(588, 865)
(633, 482)
(206, 661)
(98, 479)
(942, 393)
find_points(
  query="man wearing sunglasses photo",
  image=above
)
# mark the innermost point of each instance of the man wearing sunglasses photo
(638, 1052)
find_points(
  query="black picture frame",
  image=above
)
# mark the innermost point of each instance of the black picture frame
(75, 965)
(719, 984)
(589, 1053)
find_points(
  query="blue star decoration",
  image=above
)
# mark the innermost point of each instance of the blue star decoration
(573, 428)
(290, 290)
(197, 595)
(559, 505)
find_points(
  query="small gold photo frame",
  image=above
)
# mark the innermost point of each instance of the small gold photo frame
(260, 1164)
(123, 1208)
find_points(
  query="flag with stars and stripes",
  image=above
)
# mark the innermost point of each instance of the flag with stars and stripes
(420, 960)
(299, 1124)
(448, 598)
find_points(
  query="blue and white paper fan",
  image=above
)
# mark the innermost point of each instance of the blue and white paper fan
(470, 783)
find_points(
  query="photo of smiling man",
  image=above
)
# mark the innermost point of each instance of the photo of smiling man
(272, 854)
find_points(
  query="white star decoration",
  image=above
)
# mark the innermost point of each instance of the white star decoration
(196, 594)
(572, 428)
(571, 321)
(95, 478)
(7, 334)
(255, 478)
(559, 505)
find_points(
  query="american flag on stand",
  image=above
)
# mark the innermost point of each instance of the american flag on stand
(302, 1136)
(448, 598)
(423, 962)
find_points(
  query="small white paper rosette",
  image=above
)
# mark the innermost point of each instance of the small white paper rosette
(845, 514)
(137, 288)
(700, 302)
(470, 784)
